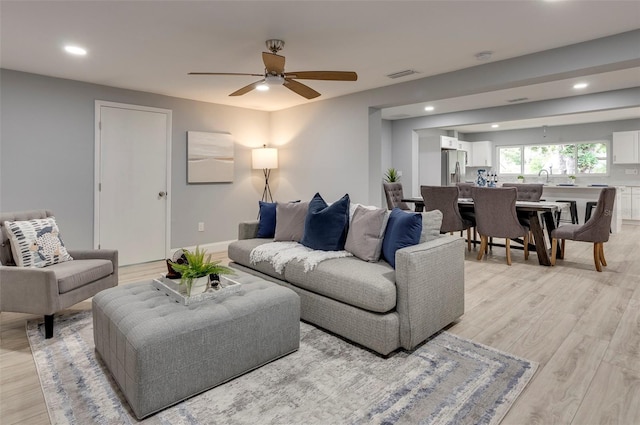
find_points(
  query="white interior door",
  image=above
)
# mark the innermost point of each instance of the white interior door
(132, 170)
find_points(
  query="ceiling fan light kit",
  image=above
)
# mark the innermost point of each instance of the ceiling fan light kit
(274, 74)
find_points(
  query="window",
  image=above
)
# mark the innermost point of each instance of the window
(571, 159)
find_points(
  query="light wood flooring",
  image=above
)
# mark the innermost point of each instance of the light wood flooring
(581, 326)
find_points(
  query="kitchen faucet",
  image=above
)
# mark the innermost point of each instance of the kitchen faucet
(540, 172)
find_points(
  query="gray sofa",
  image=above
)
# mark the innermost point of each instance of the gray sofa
(371, 303)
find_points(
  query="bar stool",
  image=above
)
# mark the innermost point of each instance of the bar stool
(573, 210)
(587, 212)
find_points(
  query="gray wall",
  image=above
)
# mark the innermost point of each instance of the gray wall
(47, 157)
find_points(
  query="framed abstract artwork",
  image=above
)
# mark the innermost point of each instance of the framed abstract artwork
(210, 157)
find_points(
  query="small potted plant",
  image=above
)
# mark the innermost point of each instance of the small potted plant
(572, 179)
(195, 273)
(520, 179)
(391, 175)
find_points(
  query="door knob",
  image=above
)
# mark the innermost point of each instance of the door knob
(162, 194)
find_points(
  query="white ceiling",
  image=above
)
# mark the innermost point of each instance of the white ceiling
(152, 45)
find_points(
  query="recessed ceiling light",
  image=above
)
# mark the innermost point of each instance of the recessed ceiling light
(75, 50)
(495, 125)
(262, 87)
(580, 86)
(429, 108)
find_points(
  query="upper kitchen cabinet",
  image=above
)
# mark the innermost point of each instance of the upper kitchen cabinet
(447, 142)
(626, 147)
(481, 154)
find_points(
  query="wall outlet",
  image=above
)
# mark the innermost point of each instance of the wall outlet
(201, 227)
(632, 171)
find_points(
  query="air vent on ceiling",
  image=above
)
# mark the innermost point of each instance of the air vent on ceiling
(402, 73)
(518, 99)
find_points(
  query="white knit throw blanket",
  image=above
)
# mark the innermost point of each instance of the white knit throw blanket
(280, 253)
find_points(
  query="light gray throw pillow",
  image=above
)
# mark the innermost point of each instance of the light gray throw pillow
(366, 232)
(290, 221)
(431, 223)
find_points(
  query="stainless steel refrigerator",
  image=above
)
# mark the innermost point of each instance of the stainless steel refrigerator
(453, 167)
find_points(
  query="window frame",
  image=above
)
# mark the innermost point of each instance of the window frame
(522, 147)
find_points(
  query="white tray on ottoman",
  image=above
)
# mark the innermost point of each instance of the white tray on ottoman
(161, 352)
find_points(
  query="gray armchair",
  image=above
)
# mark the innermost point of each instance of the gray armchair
(394, 194)
(595, 230)
(496, 216)
(50, 289)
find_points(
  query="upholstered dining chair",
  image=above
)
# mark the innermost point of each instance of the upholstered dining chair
(595, 230)
(464, 190)
(496, 216)
(394, 194)
(47, 290)
(531, 192)
(445, 199)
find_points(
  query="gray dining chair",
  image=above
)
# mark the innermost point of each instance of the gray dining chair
(445, 199)
(464, 190)
(394, 194)
(595, 230)
(496, 217)
(531, 192)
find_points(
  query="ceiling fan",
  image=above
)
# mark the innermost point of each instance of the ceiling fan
(274, 74)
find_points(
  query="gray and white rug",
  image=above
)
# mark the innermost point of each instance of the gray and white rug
(448, 380)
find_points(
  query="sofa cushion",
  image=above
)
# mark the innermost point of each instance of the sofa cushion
(370, 286)
(403, 229)
(36, 243)
(366, 231)
(74, 274)
(290, 221)
(240, 251)
(431, 223)
(325, 227)
(267, 223)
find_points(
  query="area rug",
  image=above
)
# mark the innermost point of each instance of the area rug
(447, 380)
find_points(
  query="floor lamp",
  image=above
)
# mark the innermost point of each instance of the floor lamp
(266, 159)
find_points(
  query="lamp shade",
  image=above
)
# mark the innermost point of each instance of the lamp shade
(264, 158)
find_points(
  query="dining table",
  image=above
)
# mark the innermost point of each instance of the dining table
(534, 210)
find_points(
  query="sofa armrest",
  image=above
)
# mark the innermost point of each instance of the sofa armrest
(28, 290)
(248, 229)
(96, 254)
(430, 287)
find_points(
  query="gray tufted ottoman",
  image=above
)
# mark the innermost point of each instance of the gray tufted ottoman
(161, 352)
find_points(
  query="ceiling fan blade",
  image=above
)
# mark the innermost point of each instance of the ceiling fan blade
(246, 89)
(223, 73)
(323, 75)
(301, 89)
(273, 63)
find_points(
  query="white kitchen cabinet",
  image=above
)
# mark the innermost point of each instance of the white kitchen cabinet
(635, 203)
(481, 154)
(626, 147)
(630, 203)
(465, 146)
(447, 142)
(625, 203)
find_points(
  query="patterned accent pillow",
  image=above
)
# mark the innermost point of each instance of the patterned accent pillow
(36, 243)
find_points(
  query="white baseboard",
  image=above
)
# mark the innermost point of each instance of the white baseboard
(209, 247)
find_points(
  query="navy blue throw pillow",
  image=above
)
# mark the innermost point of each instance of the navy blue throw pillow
(267, 223)
(403, 229)
(325, 227)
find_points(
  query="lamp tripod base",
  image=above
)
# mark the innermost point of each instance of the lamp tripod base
(266, 193)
